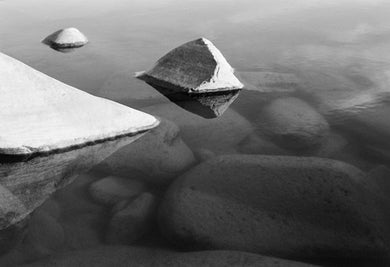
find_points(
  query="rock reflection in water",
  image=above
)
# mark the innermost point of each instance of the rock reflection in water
(206, 105)
(63, 50)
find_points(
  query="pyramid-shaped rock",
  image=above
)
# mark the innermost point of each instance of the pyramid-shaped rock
(66, 38)
(194, 67)
(40, 114)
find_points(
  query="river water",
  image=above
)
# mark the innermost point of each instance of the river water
(332, 55)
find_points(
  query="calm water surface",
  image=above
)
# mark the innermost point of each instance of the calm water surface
(336, 53)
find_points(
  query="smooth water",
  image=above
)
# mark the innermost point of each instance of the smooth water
(334, 55)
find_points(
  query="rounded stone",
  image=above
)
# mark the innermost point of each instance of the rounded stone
(291, 207)
(83, 231)
(123, 256)
(51, 207)
(132, 221)
(66, 38)
(110, 190)
(292, 123)
(44, 235)
(157, 157)
(219, 135)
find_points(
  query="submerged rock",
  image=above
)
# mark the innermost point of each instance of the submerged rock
(132, 221)
(292, 123)
(266, 81)
(194, 67)
(219, 135)
(11, 237)
(370, 125)
(111, 190)
(291, 207)
(380, 175)
(83, 231)
(82, 219)
(44, 236)
(50, 132)
(158, 157)
(332, 146)
(51, 207)
(254, 144)
(74, 199)
(66, 38)
(203, 154)
(124, 256)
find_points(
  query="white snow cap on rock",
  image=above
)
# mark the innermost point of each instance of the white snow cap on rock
(66, 38)
(40, 114)
(195, 67)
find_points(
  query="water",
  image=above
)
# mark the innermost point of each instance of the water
(333, 55)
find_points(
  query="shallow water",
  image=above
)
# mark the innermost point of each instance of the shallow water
(333, 55)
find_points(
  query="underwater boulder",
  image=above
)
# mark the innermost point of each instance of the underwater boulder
(131, 221)
(290, 207)
(111, 190)
(50, 132)
(124, 256)
(50, 207)
(380, 175)
(292, 123)
(194, 67)
(255, 144)
(66, 38)
(44, 236)
(220, 135)
(269, 81)
(83, 231)
(156, 158)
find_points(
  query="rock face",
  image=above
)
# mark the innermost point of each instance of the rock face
(123, 256)
(194, 67)
(50, 132)
(158, 157)
(292, 123)
(40, 114)
(111, 190)
(221, 134)
(66, 38)
(291, 207)
(132, 221)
